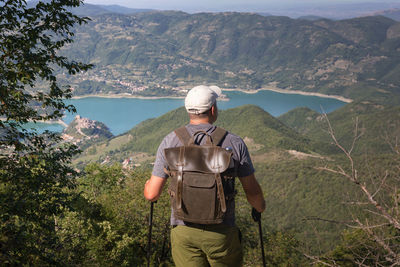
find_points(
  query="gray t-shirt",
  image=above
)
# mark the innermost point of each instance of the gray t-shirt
(240, 158)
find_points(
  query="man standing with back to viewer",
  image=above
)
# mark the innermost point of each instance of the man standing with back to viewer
(207, 244)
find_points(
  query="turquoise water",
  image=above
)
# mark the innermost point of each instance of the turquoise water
(121, 114)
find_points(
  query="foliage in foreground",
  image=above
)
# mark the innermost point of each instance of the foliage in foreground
(109, 225)
(35, 172)
(373, 238)
(33, 189)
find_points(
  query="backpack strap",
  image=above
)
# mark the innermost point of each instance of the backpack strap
(220, 192)
(179, 178)
(218, 135)
(183, 135)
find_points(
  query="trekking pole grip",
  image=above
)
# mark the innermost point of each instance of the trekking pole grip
(256, 215)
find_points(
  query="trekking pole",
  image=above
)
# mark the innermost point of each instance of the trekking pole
(149, 236)
(257, 218)
(164, 241)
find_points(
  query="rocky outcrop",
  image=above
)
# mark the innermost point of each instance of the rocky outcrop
(83, 130)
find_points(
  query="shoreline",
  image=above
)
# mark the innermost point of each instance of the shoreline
(61, 122)
(292, 92)
(126, 96)
(273, 89)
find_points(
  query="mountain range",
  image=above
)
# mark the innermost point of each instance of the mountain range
(96, 10)
(164, 53)
(335, 11)
(90, 10)
(393, 13)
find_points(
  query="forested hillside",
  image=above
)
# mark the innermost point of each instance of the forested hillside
(259, 127)
(161, 53)
(393, 13)
(378, 124)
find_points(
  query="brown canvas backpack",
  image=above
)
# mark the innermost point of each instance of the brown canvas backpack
(198, 176)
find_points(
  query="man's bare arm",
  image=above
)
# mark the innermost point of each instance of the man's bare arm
(253, 192)
(153, 188)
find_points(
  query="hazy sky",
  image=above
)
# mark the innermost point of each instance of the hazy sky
(204, 5)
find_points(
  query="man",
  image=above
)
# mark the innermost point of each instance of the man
(215, 244)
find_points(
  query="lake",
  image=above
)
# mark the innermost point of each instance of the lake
(122, 114)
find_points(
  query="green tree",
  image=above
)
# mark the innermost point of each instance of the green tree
(107, 225)
(34, 170)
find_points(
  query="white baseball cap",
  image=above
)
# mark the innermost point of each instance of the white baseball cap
(201, 98)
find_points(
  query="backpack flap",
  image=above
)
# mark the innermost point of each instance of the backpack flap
(205, 159)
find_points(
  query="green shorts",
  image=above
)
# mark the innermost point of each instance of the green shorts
(208, 245)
